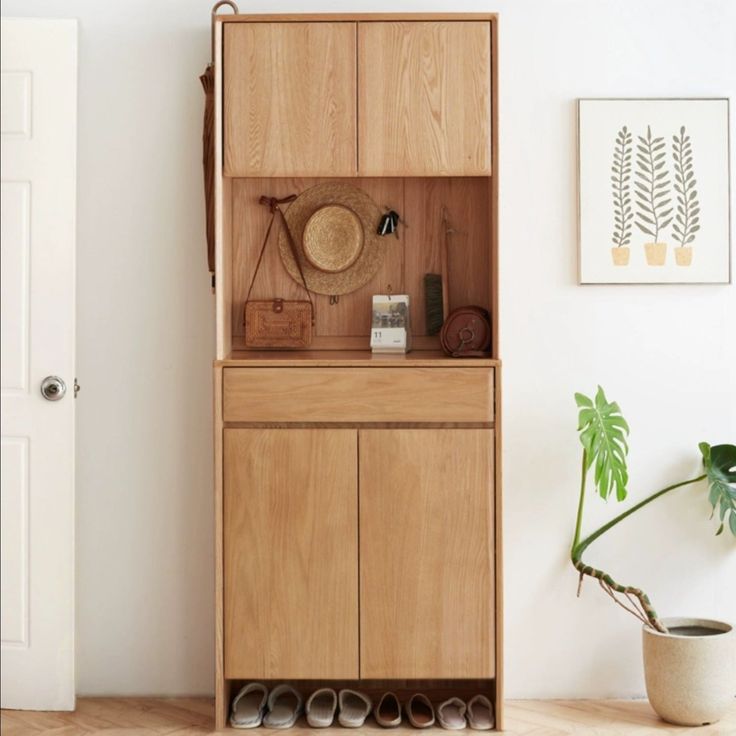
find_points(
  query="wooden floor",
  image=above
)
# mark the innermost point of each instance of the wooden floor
(181, 716)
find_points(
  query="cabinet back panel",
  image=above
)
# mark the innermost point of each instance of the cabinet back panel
(420, 201)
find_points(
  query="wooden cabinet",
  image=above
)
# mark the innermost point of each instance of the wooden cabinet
(291, 553)
(290, 99)
(357, 496)
(412, 98)
(426, 553)
(424, 91)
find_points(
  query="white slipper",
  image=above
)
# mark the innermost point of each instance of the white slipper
(480, 713)
(321, 707)
(354, 708)
(451, 714)
(284, 707)
(248, 706)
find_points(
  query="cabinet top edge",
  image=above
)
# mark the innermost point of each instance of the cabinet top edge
(351, 17)
(349, 359)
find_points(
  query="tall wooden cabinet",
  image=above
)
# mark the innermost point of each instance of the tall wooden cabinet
(358, 497)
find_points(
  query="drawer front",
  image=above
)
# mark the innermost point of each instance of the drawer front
(358, 395)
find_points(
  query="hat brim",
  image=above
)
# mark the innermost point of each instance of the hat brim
(374, 247)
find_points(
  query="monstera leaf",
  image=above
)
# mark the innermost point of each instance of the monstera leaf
(603, 435)
(720, 467)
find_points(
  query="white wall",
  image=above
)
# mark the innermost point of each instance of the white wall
(667, 353)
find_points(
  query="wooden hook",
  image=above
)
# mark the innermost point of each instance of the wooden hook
(230, 4)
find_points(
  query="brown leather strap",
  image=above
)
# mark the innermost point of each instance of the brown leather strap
(273, 204)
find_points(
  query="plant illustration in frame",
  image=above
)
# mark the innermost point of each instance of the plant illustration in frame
(643, 217)
(653, 194)
(621, 189)
(687, 219)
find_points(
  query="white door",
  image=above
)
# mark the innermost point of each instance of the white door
(38, 133)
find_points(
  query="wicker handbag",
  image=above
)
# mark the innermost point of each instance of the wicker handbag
(279, 324)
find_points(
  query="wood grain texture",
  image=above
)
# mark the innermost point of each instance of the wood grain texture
(350, 358)
(290, 99)
(417, 252)
(465, 202)
(223, 221)
(424, 98)
(351, 316)
(498, 548)
(193, 717)
(426, 553)
(358, 395)
(351, 17)
(493, 210)
(291, 553)
(222, 688)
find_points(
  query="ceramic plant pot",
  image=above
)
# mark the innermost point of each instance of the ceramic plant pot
(690, 672)
(684, 255)
(656, 253)
(620, 256)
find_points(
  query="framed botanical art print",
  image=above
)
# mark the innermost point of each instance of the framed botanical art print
(654, 200)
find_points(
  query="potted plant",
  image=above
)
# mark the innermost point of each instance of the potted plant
(620, 183)
(653, 195)
(687, 219)
(689, 664)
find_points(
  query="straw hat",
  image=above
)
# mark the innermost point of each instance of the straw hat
(334, 229)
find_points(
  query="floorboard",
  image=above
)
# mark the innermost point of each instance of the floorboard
(194, 717)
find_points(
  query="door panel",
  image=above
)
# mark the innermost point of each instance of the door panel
(424, 98)
(38, 129)
(426, 553)
(290, 99)
(291, 553)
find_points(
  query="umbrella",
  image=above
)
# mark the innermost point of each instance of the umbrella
(208, 142)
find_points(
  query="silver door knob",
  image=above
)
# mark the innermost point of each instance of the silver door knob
(53, 388)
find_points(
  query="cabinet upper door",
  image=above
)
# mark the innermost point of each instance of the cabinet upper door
(290, 99)
(425, 98)
(291, 553)
(426, 553)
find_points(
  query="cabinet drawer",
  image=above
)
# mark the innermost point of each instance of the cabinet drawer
(358, 395)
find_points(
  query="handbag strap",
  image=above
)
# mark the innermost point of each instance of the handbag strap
(273, 204)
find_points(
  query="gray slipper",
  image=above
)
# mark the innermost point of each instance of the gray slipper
(388, 711)
(321, 707)
(480, 713)
(354, 708)
(248, 706)
(451, 714)
(284, 707)
(419, 711)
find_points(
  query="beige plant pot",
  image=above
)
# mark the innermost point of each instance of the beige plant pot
(684, 255)
(656, 253)
(620, 256)
(690, 672)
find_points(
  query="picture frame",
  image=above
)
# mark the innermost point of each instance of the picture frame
(654, 191)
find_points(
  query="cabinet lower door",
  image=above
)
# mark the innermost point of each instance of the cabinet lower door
(291, 553)
(426, 553)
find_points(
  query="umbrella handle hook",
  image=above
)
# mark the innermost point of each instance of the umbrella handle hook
(233, 6)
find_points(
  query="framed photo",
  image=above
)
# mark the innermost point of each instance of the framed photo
(653, 189)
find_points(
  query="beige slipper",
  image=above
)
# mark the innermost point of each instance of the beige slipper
(388, 711)
(284, 707)
(321, 707)
(480, 713)
(248, 706)
(419, 711)
(354, 708)
(451, 714)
